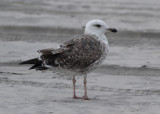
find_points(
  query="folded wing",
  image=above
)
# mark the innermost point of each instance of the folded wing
(74, 54)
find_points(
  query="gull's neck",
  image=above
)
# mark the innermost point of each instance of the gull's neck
(100, 37)
(103, 38)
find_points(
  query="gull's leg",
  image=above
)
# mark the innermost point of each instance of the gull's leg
(85, 97)
(74, 88)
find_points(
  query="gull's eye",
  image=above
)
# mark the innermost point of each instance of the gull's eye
(98, 25)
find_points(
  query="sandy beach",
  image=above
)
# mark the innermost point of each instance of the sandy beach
(128, 82)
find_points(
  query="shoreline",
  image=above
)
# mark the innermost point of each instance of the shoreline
(103, 69)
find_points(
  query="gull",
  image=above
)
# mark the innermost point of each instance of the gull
(78, 56)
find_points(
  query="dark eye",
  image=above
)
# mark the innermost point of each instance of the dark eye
(97, 25)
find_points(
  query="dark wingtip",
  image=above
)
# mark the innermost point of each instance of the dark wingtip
(21, 63)
(31, 61)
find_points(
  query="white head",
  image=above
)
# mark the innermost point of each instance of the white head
(97, 27)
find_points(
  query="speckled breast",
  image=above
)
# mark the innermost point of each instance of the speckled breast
(96, 64)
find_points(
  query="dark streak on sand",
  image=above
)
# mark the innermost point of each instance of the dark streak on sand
(129, 71)
(11, 73)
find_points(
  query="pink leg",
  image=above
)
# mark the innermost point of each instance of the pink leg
(74, 88)
(85, 97)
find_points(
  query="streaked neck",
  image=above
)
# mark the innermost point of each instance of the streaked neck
(100, 37)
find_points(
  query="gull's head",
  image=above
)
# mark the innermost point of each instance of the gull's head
(97, 27)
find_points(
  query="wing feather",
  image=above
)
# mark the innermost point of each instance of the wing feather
(84, 52)
(74, 54)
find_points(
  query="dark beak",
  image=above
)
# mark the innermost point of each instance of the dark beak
(112, 30)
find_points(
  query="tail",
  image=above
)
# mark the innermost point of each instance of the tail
(37, 64)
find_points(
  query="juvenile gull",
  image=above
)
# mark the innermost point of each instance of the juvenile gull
(77, 56)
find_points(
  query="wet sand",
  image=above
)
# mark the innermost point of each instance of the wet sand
(128, 82)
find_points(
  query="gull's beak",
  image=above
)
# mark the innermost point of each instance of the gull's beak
(112, 30)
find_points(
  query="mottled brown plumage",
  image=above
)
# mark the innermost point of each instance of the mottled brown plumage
(75, 55)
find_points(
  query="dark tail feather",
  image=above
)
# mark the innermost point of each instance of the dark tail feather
(31, 61)
(37, 64)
